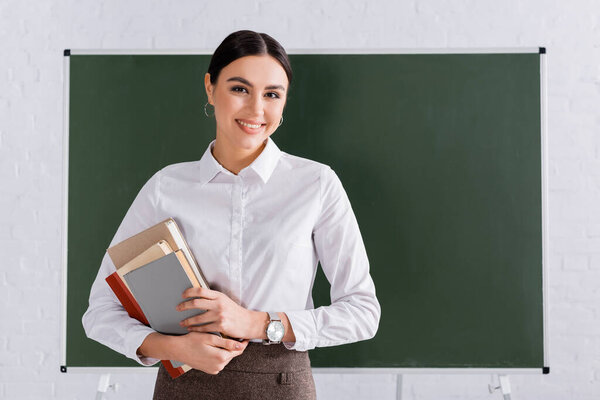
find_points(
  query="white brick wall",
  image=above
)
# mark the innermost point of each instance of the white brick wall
(34, 33)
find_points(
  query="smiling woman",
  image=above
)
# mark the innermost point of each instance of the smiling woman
(249, 96)
(259, 221)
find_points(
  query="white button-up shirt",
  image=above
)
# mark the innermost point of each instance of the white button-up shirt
(258, 237)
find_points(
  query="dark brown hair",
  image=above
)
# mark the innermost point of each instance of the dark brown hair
(247, 43)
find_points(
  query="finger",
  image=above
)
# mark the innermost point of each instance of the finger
(208, 327)
(236, 353)
(200, 292)
(224, 343)
(229, 344)
(244, 344)
(201, 304)
(201, 319)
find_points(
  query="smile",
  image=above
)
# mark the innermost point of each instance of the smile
(253, 126)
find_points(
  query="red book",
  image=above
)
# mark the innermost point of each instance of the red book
(135, 311)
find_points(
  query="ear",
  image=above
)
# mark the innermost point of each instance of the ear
(209, 88)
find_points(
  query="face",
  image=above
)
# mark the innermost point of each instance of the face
(248, 97)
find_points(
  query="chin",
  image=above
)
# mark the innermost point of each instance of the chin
(251, 143)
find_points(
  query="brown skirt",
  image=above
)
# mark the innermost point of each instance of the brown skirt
(260, 372)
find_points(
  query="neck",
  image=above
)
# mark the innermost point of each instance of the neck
(235, 159)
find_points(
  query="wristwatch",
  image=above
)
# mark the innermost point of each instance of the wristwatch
(275, 329)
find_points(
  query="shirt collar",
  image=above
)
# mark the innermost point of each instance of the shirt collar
(263, 165)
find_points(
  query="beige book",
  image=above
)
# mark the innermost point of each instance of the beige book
(167, 230)
(187, 268)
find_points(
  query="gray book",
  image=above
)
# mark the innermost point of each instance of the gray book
(157, 287)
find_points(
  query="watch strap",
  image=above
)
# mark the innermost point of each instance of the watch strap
(273, 316)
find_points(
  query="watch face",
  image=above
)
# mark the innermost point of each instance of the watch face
(275, 331)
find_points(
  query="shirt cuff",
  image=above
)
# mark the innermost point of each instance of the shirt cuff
(304, 327)
(135, 338)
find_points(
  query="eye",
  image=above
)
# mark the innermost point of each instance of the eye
(239, 89)
(275, 95)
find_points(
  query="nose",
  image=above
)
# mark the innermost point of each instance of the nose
(256, 105)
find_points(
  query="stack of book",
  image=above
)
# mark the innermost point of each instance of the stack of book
(154, 267)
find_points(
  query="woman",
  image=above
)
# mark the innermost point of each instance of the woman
(258, 221)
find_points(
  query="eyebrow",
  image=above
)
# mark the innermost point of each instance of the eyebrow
(244, 81)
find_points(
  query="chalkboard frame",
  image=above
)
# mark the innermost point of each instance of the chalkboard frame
(544, 196)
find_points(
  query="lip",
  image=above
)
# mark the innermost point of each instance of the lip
(251, 131)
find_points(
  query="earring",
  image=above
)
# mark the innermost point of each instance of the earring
(205, 113)
(280, 122)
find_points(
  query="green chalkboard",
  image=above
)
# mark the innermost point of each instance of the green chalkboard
(440, 154)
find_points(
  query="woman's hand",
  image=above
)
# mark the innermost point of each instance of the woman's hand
(222, 315)
(206, 351)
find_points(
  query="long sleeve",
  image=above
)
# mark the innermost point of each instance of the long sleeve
(105, 320)
(354, 312)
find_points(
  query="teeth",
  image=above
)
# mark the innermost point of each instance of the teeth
(248, 125)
